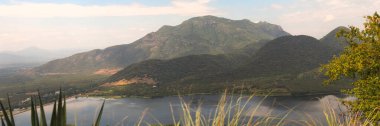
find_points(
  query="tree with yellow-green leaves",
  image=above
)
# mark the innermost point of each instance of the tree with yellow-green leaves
(360, 61)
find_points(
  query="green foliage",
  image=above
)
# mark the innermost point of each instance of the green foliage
(34, 114)
(228, 112)
(42, 111)
(53, 117)
(239, 112)
(360, 61)
(8, 118)
(10, 109)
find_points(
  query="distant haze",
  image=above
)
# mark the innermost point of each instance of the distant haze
(56, 25)
(33, 56)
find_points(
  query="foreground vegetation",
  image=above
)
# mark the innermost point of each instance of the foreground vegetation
(227, 112)
(58, 117)
(360, 61)
(239, 113)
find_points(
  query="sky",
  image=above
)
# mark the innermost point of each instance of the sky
(90, 24)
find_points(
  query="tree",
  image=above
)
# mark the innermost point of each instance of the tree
(360, 61)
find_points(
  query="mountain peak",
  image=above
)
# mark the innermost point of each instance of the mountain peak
(332, 40)
(207, 17)
(216, 19)
(337, 29)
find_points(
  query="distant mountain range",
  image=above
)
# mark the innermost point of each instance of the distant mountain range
(199, 35)
(33, 55)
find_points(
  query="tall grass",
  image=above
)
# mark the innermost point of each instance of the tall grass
(239, 113)
(333, 118)
(230, 111)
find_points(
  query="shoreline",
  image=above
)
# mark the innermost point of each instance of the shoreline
(282, 94)
(28, 108)
(19, 111)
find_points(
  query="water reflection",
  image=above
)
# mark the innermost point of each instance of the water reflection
(82, 111)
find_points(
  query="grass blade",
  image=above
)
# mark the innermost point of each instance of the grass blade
(43, 117)
(5, 114)
(59, 107)
(10, 110)
(36, 113)
(2, 122)
(64, 111)
(97, 123)
(32, 112)
(53, 121)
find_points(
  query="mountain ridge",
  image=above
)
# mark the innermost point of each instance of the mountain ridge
(282, 63)
(280, 48)
(198, 35)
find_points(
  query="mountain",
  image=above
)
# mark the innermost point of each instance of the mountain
(289, 55)
(280, 63)
(284, 55)
(10, 58)
(187, 67)
(199, 35)
(331, 40)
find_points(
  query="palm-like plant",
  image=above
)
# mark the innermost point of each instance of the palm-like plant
(58, 117)
(9, 120)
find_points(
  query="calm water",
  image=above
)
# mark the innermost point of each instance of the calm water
(127, 111)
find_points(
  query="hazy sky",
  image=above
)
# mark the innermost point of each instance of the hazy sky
(60, 24)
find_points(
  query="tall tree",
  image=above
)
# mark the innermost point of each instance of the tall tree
(360, 61)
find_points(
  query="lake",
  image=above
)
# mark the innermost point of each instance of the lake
(127, 111)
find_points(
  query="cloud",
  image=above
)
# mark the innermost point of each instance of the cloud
(68, 37)
(43, 10)
(317, 17)
(328, 18)
(276, 6)
(57, 26)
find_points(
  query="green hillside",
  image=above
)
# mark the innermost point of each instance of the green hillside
(287, 64)
(288, 55)
(188, 67)
(199, 35)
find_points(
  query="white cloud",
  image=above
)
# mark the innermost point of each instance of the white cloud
(328, 18)
(177, 7)
(56, 26)
(317, 17)
(276, 6)
(70, 37)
